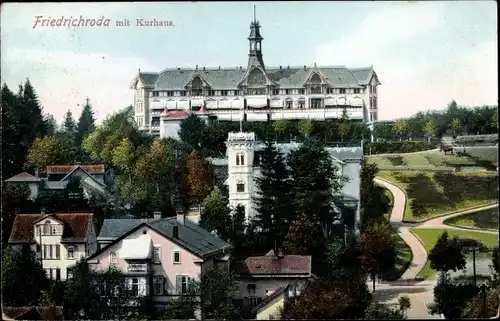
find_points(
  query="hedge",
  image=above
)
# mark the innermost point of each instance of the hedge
(397, 147)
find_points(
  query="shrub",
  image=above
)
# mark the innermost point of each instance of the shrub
(397, 147)
(417, 207)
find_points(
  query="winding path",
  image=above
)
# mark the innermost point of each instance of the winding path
(419, 292)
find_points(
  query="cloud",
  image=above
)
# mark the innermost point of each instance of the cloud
(63, 79)
(380, 31)
(412, 84)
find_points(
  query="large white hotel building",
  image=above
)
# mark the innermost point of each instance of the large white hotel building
(255, 93)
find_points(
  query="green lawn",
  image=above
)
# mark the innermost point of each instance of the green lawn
(435, 160)
(487, 219)
(430, 236)
(433, 193)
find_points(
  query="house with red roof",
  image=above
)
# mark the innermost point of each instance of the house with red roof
(33, 313)
(92, 179)
(170, 121)
(262, 276)
(58, 239)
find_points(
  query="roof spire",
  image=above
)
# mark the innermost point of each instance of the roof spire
(254, 14)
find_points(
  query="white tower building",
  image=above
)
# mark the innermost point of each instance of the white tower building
(240, 152)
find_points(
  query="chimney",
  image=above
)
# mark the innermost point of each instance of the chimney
(305, 67)
(196, 67)
(288, 67)
(203, 68)
(314, 65)
(280, 254)
(219, 67)
(281, 68)
(178, 68)
(181, 216)
(176, 231)
(157, 215)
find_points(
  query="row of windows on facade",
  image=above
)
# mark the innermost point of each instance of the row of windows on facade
(53, 251)
(256, 91)
(160, 286)
(49, 229)
(176, 256)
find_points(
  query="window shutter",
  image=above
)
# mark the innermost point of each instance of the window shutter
(178, 284)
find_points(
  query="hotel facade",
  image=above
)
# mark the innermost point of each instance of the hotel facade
(255, 93)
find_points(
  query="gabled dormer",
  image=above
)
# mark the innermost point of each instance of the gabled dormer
(48, 226)
(316, 82)
(197, 85)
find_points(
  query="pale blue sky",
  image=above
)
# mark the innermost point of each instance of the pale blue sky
(425, 54)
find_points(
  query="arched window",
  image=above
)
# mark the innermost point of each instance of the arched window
(46, 228)
(196, 87)
(316, 84)
(258, 46)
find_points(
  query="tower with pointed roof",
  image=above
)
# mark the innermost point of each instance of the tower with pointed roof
(255, 41)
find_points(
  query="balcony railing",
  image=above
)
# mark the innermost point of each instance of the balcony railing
(137, 268)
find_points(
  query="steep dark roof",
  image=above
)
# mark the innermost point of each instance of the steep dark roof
(76, 226)
(23, 177)
(191, 236)
(229, 78)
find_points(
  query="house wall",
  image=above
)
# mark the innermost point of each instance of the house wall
(270, 285)
(190, 264)
(63, 262)
(272, 310)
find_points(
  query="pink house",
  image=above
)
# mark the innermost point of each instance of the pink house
(158, 256)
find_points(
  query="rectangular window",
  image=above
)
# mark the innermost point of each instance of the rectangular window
(114, 257)
(301, 104)
(289, 104)
(316, 90)
(177, 257)
(211, 92)
(242, 160)
(276, 92)
(240, 188)
(302, 91)
(54, 229)
(158, 285)
(374, 89)
(342, 90)
(71, 252)
(58, 251)
(287, 91)
(316, 103)
(45, 252)
(196, 92)
(357, 90)
(182, 284)
(251, 289)
(183, 93)
(237, 160)
(156, 255)
(38, 248)
(170, 93)
(58, 274)
(135, 287)
(50, 252)
(156, 94)
(224, 93)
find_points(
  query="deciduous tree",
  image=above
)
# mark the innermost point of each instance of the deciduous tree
(347, 299)
(280, 127)
(50, 150)
(446, 255)
(401, 128)
(344, 125)
(430, 129)
(302, 236)
(23, 277)
(191, 131)
(456, 126)
(199, 177)
(377, 248)
(306, 127)
(216, 214)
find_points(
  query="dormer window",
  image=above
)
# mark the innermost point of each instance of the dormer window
(55, 230)
(46, 228)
